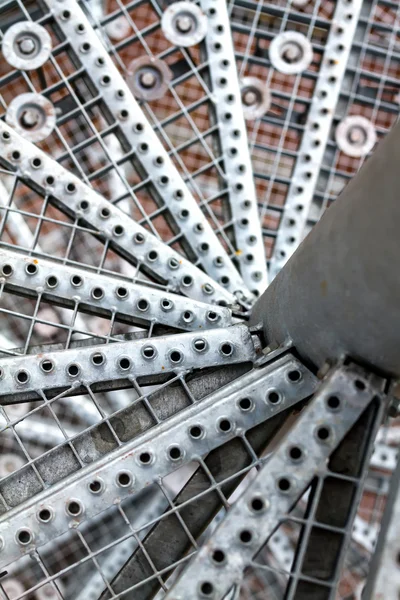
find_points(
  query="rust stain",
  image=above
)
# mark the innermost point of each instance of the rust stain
(324, 287)
(239, 252)
(35, 261)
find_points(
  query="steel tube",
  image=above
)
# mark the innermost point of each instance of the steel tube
(339, 294)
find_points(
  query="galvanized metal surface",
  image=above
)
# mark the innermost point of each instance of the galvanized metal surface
(228, 466)
(234, 147)
(32, 376)
(32, 116)
(220, 563)
(97, 293)
(184, 24)
(51, 439)
(342, 273)
(317, 130)
(26, 45)
(144, 142)
(152, 456)
(108, 221)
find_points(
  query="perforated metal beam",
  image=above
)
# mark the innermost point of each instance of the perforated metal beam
(219, 564)
(234, 146)
(132, 240)
(149, 151)
(150, 456)
(96, 293)
(317, 130)
(23, 376)
(197, 509)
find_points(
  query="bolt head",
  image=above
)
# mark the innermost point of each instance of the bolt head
(147, 79)
(30, 118)
(249, 97)
(184, 24)
(357, 135)
(26, 45)
(292, 53)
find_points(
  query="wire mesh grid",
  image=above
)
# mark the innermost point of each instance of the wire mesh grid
(276, 563)
(369, 88)
(363, 93)
(131, 544)
(32, 224)
(276, 137)
(184, 116)
(73, 434)
(87, 143)
(75, 431)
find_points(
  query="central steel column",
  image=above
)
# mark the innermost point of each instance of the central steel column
(339, 294)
